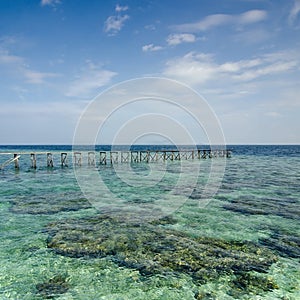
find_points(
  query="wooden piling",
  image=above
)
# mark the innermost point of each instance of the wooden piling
(125, 155)
(198, 154)
(134, 156)
(16, 160)
(102, 158)
(114, 157)
(64, 159)
(33, 160)
(49, 160)
(77, 159)
(151, 156)
(228, 153)
(91, 158)
(159, 155)
(168, 155)
(144, 156)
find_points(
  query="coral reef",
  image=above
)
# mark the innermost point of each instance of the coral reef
(49, 203)
(53, 287)
(251, 283)
(153, 249)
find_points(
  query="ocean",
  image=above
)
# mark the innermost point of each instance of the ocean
(214, 228)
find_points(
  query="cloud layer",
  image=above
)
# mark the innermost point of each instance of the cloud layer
(91, 78)
(199, 68)
(178, 38)
(115, 23)
(151, 48)
(249, 17)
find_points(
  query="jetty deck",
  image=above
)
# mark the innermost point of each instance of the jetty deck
(93, 158)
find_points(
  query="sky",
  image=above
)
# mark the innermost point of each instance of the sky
(241, 56)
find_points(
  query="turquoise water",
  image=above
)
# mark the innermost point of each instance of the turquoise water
(243, 244)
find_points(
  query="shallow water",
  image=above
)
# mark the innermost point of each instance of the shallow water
(257, 205)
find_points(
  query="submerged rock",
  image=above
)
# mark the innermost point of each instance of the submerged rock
(49, 204)
(53, 287)
(156, 250)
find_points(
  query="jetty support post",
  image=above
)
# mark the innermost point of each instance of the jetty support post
(190, 154)
(91, 158)
(125, 156)
(64, 159)
(134, 156)
(144, 156)
(152, 155)
(77, 159)
(33, 160)
(177, 155)
(102, 158)
(183, 155)
(228, 153)
(114, 157)
(16, 160)
(49, 160)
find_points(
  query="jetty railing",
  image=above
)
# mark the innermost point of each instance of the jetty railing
(113, 157)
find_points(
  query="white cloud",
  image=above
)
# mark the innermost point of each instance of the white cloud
(178, 38)
(150, 27)
(36, 77)
(294, 11)
(249, 17)
(273, 114)
(7, 58)
(114, 24)
(151, 47)
(120, 8)
(91, 78)
(199, 68)
(192, 68)
(17, 65)
(49, 2)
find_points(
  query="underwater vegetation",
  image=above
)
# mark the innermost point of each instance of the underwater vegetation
(49, 203)
(53, 287)
(153, 249)
(284, 243)
(271, 206)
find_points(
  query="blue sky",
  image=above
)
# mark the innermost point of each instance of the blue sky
(242, 56)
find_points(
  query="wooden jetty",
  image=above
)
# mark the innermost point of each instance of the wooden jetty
(113, 157)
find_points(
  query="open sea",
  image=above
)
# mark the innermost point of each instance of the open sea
(147, 230)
